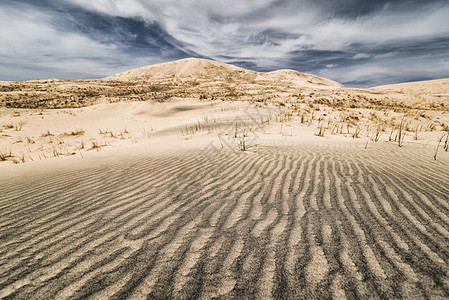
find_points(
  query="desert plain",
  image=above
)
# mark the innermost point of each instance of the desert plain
(195, 179)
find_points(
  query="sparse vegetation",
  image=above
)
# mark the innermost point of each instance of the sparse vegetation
(29, 140)
(22, 158)
(47, 133)
(242, 143)
(446, 142)
(377, 134)
(401, 134)
(81, 145)
(19, 126)
(438, 147)
(8, 125)
(356, 133)
(5, 155)
(75, 132)
(190, 129)
(321, 131)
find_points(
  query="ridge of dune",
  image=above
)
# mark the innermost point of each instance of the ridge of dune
(300, 78)
(436, 86)
(183, 68)
(213, 70)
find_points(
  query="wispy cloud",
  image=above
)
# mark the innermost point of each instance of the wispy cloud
(31, 43)
(354, 42)
(67, 43)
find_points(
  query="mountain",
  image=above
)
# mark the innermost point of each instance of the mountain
(197, 68)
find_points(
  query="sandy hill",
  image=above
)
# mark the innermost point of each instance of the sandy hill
(430, 87)
(186, 68)
(298, 78)
(214, 70)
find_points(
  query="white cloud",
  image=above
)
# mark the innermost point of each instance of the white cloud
(32, 34)
(382, 28)
(31, 40)
(220, 29)
(361, 56)
(391, 70)
(33, 46)
(125, 8)
(211, 28)
(223, 28)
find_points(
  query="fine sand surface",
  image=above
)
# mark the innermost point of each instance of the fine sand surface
(284, 219)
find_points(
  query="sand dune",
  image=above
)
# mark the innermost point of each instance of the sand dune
(285, 221)
(196, 179)
(428, 87)
(299, 79)
(185, 68)
(214, 70)
(212, 80)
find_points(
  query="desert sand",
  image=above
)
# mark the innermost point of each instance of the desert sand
(430, 87)
(223, 183)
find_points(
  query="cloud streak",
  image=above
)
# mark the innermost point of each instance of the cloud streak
(359, 43)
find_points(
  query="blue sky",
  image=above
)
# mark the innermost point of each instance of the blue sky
(358, 43)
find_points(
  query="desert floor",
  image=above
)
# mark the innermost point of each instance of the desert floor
(179, 211)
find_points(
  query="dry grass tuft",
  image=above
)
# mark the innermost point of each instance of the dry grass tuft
(5, 155)
(47, 133)
(75, 132)
(19, 126)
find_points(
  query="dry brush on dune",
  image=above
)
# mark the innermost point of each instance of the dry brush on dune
(373, 124)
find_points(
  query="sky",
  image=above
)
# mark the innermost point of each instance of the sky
(360, 43)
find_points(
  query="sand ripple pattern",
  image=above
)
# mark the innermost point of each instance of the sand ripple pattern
(276, 222)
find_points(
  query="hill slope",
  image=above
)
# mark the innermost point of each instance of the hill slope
(430, 87)
(300, 79)
(186, 68)
(214, 70)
